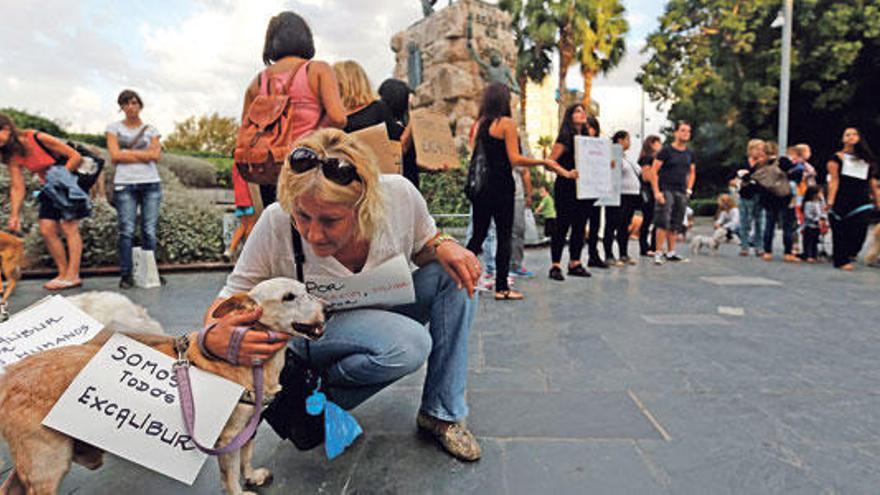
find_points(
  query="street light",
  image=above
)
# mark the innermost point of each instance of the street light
(785, 20)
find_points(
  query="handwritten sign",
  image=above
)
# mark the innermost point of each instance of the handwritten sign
(389, 284)
(592, 160)
(435, 148)
(125, 401)
(613, 196)
(53, 322)
(388, 153)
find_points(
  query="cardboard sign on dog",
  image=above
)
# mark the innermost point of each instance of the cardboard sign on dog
(435, 147)
(389, 284)
(125, 401)
(53, 322)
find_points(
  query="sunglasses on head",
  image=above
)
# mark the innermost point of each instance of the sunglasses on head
(334, 169)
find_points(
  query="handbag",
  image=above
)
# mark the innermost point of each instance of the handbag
(90, 168)
(287, 413)
(144, 270)
(773, 179)
(478, 173)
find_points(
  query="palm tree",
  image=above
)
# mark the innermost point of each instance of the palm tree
(533, 59)
(545, 142)
(554, 23)
(601, 40)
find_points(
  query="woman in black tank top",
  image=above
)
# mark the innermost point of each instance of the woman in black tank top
(497, 133)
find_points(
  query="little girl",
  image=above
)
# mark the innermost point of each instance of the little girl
(728, 218)
(814, 217)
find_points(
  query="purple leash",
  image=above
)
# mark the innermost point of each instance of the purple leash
(184, 387)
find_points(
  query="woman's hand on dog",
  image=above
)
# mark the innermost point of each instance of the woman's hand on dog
(256, 347)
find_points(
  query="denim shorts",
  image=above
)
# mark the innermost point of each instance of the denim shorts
(670, 215)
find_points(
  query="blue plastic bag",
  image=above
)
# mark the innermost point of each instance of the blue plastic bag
(340, 430)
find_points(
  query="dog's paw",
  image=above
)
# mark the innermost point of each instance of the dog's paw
(260, 477)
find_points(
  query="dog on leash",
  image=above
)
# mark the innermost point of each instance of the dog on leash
(30, 388)
(701, 242)
(11, 258)
(873, 254)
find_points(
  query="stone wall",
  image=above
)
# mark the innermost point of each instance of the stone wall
(451, 79)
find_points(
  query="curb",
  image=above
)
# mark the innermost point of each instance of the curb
(98, 271)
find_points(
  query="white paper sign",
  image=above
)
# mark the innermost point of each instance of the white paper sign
(125, 401)
(613, 197)
(53, 322)
(855, 168)
(592, 160)
(389, 284)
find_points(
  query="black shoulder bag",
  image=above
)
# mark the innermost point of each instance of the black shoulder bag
(287, 413)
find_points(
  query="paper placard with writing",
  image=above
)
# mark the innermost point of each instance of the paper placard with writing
(435, 147)
(387, 152)
(389, 284)
(53, 322)
(125, 401)
(592, 160)
(613, 197)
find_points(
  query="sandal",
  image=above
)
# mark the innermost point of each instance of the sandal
(508, 295)
(61, 284)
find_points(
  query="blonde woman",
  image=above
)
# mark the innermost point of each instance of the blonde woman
(362, 106)
(751, 227)
(342, 208)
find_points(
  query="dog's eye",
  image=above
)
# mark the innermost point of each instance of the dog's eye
(290, 296)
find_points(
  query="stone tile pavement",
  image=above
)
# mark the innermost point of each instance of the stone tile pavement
(632, 381)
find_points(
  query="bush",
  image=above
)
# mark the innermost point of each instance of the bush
(223, 167)
(192, 172)
(444, 193)
(24, 120)
(704, 207)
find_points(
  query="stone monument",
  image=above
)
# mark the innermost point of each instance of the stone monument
(434, 54)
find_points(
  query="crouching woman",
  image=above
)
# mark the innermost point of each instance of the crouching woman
(353, 220)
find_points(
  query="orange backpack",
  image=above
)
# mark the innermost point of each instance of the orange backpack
(266, 134)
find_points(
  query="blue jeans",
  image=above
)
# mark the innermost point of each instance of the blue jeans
(751, 213)
(488, 254)
(781, 213)
(127, 198)
(365, 350)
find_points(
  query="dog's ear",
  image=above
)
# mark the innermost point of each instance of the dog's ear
(238, 302)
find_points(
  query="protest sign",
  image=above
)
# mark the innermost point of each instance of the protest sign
(53, 322)
(387, 152)
(613, 197)
(592, 159)
(435, 148)
(388, 284)
(125, 401)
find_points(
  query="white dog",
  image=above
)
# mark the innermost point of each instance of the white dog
(116, 312)
(700, 242)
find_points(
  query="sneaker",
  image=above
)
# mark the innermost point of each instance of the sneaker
(597, 263)
(521, 272)
(659, 259)
(629, 261)
(455, 438)
(126, 282)
(578, 271)
(676, 258)
(556, 273)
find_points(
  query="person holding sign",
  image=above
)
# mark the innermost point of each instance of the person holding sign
(853, 173)
(672, 179)
(396, 95)
(571, 212)
(497, 137)
(353, 220)
(618, 218)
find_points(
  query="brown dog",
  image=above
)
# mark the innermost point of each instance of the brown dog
(29, 389)
(874, 249)
(11, 256)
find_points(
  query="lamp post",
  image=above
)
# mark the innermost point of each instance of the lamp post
(787, 16)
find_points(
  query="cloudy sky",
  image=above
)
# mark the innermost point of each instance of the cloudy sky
(197, 56)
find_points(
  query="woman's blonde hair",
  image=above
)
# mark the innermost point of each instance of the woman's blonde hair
(726, 202)
(354, 85)
(364, 196)
(755, 145)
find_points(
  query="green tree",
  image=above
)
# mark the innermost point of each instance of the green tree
(554, 23)
(24, 120)
(717, 62)
(206, 133)
(601, 35)
(533, 59)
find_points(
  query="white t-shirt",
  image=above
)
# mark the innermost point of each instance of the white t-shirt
(134, 173)
(268, 252)
(630, 182)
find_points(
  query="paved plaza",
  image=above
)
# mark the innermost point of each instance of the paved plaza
(722, 375)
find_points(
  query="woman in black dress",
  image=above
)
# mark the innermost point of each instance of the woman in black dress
(647, 236)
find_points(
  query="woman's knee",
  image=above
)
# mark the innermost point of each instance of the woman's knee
(49, 229)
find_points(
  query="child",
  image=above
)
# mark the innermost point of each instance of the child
(727, 223)
(244, 210)
(547, 209)
(814, 218)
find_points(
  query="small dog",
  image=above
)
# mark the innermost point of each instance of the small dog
(11, 258)
(30, 388)
(116, 312)
(873, 254)
(699, 242)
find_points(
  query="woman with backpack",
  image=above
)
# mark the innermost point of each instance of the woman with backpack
(38, 152)
(134, 149)
(311, 85)
(497, 138)
(853, 196)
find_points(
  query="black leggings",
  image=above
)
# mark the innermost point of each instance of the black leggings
(501, 210)
(847, 238)
(645, 231)
(617, 220)
(570, 213)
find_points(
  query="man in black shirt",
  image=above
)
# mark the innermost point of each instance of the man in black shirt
(674, 173)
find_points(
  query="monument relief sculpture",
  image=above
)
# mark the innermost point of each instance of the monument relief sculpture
(495, 70)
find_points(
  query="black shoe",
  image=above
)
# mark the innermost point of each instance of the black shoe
(556, 273)
(595, 262)
(579, 271)
(126, 282)
(162, 281)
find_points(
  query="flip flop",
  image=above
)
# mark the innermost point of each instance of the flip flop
(51, 283)
(63, 284)
(508, 295)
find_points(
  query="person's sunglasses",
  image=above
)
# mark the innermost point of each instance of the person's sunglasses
(334, 169)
